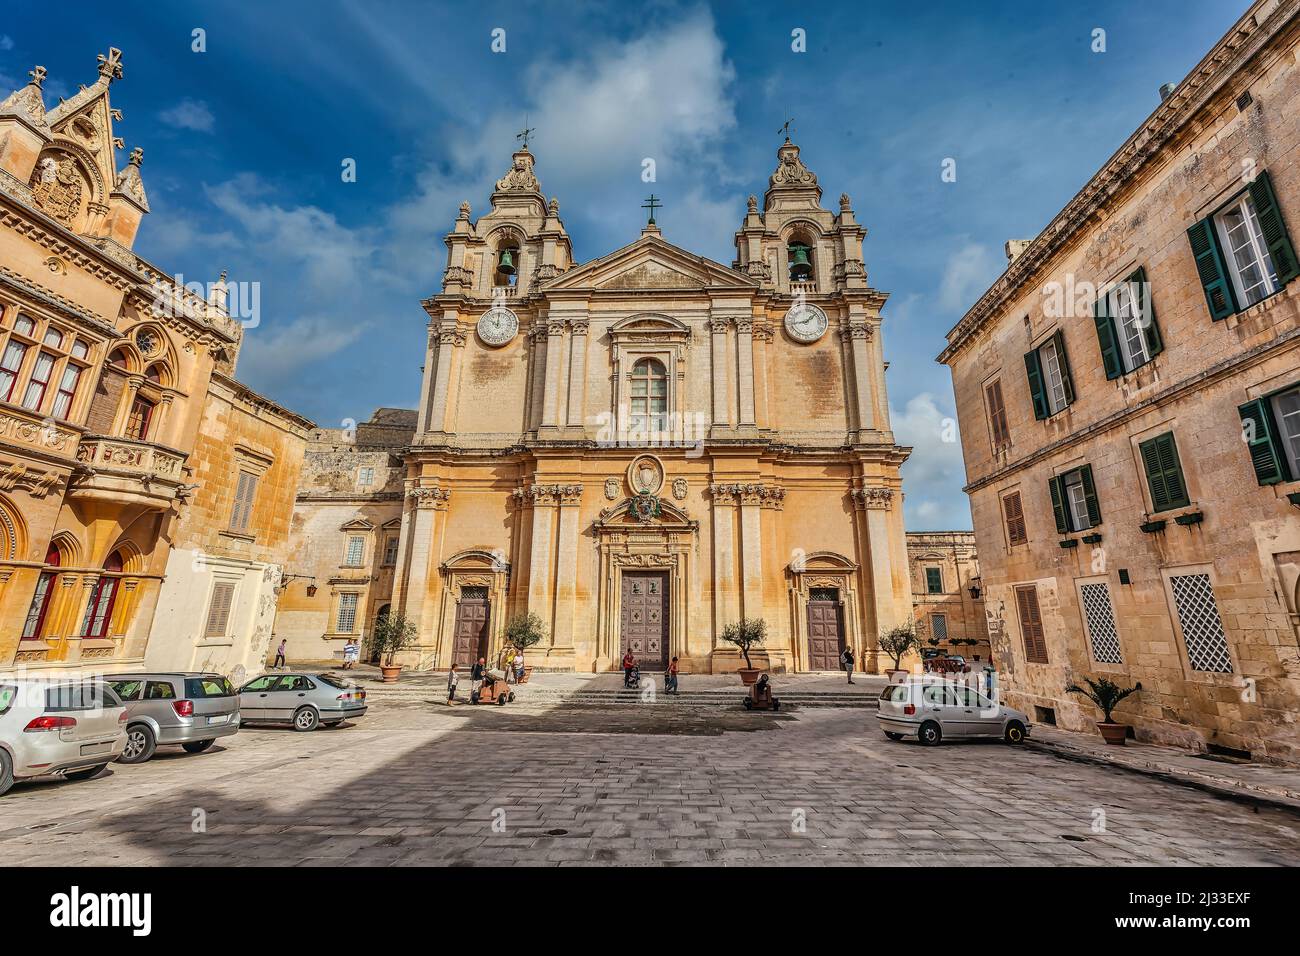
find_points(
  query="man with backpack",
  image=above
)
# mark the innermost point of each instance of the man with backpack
(847, 661)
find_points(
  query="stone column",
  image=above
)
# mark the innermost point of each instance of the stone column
(429, 503)
(751, 550)
(577, 373)
(449, 339)
(537, 383)
(726, 603)
(428, 382)
(542, 502)
(569, 499)
(551, 393)
(745, 371)
(719, 362)
(859, 336)
(875, 503)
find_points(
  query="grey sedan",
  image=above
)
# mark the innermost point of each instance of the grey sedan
(304, 700)
(931, 709)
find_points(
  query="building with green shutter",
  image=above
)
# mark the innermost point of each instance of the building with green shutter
(1129, 400)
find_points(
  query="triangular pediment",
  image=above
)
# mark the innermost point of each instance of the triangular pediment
(649, 264)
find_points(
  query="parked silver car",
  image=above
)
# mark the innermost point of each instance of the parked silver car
(191, 710)
(931, 709)
(76, 728)
(302, 699)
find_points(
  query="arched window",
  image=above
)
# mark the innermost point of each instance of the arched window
(799, 258)
(118, 358)
(507, 265)
(154, 373)
(649, 396)
(99, 612)
(40, 605)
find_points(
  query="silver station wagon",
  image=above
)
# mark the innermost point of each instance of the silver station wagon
(931, 709)
(162, 709)
(304, 700)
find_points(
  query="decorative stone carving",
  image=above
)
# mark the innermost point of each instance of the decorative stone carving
(791, 171)
(432, 497)
(611, 489)
(873, 497)
(58, 187)
(568, 494)
(520, 178)
(680, 488)
(645, 476)
(856, 330)
(749, 493)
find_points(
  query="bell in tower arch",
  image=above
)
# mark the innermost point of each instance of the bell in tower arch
(800, 264)
(506, 265)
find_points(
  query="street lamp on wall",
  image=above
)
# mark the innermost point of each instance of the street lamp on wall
(975, 589)
(311, 588)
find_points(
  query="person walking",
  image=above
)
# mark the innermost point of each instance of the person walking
(476, 679)
(670, 684)
(847, 661)
(452, 680)
(519, 666)
(279, 653)
(629, 662)
(351, 651)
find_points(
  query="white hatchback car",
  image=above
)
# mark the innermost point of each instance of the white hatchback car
(931, 709)
(72, 727)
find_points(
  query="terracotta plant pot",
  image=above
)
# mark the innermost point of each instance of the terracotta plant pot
(1113, 734)
(749, 675)
(390, 672)
(528, 672)
(896, 676)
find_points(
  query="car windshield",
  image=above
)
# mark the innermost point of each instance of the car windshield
(208, 687)
(333, 681)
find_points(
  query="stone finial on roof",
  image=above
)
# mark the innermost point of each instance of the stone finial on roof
(110, 67)
(27, 101)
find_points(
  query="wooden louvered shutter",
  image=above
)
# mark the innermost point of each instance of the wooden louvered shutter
(1146, 311)
(1015, 515)
(1210, 268)
(1067, 383)
(1031, 625)
(997, 413)
(1164, 473)
(219, 610)
(1260, 436)
(1037, 391)
(245, 490)
(1090, 496)
(1057, 489)
(1106, 338)
(1274, 229)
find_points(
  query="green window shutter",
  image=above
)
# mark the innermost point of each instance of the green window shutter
(1058, 339)
(1147, 310)
(1090, 496)
(1106, 338)
(1261, 439)
(1274, 229)
(1034, 369)
(1164, 473)
(1058, 505)
(1210, 268)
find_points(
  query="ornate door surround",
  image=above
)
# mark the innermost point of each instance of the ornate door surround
(826, 569)
(477, 568)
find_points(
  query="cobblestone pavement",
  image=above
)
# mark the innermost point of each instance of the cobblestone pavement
(414, 783)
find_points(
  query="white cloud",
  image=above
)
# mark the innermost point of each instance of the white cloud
(935, 473)
(6, 42)
(189, 114)
(969, 272)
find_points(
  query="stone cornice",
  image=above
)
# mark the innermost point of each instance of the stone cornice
(66, 308)
(1242, 42)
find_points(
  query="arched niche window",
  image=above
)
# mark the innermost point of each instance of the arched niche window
(506, 273)
(156, 373)
(800, 259)
(648, 405)
(99, 612)
(40, 606)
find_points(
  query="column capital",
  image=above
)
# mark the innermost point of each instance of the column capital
(876, 498)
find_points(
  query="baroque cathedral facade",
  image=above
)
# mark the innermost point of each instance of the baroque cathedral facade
(646, 447)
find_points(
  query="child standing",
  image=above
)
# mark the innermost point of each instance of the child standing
(452, 679)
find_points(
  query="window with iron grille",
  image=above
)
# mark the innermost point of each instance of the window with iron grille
(473, 593)
(823, 594)
(346, 621)
(1099, 618)
(939, 626)
(1198, 616)
(356, 550)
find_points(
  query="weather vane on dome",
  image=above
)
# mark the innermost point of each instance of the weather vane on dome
(785, 130)
(526, 132)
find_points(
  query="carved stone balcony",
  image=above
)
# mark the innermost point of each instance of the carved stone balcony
(136, 472)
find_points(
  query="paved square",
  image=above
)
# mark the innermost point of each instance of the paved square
(540, 783)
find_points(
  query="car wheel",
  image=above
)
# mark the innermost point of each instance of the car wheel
(1015, 733)
(930, 734)
(140, 744)
(501, 700)
(893, 735)
(86, 773)
(512, 697)
(6, 772)
(305, 719)
(197, 746)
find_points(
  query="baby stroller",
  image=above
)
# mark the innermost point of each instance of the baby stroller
(632, 678)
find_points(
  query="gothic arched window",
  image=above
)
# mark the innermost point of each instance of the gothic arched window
(99, 611)
(649, 396)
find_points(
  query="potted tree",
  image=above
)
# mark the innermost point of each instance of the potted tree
(897, 642)
(392, 634)
(747, 634)
(1106, 695)
(523, 631)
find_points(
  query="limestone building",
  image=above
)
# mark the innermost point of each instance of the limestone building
(1129, 399)
(645, 447)
(947, 595)
(346, 524)
(108, 368)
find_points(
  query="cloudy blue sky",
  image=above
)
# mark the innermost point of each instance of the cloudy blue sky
(244, 145)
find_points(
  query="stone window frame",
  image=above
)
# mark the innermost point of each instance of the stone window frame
(257, 463)
(650, 335)
(220, 579)
(1121, 668)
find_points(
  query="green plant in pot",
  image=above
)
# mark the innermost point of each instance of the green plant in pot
(897, 642)
(1106, 695)
(393, 633)
(747, 634)
(523, 631)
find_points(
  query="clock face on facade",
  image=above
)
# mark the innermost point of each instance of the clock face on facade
(805, 323)
(497, 326)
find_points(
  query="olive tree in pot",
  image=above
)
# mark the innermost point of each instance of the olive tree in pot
(1106, 695)
(391, 634)
(898, 642)
(747, 634)
(523, 631)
